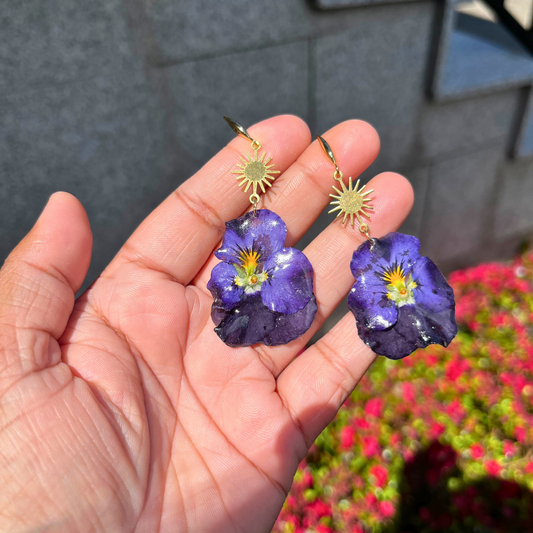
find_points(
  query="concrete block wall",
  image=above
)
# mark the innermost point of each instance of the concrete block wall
(98, 99)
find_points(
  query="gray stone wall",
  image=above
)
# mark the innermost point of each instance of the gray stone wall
(98, 99)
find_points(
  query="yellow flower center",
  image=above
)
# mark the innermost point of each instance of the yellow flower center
(395, 277)
(249, 274)
(249, 260)
(399, 289)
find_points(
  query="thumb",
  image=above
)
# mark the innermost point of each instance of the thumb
(38, 283)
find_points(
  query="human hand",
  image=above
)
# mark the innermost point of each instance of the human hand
(123, 411)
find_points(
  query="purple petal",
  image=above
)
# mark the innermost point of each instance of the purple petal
(289, 285)
(395, 249)
(432, 290)
(415, 328)
(264, 232)
(290, 327)
(222, 286)
(368, 296)
(251, 322)
(403, 249)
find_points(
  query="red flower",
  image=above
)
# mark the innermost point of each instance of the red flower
(308, 479)
(476, 451)
(529, 467)
(374, 407)
(370, 499)
(506, 378)
(361, 423)
(408, 392)
(492, 467)
(292, 520)
(370, 447)
(321, 528)
(436, 430)
(431, 360)
(519, 383)
(347, 437)
(386, 509)
(380, 473)
(395, 438)
(508, 448)
(455, 411)
(456, 368)
(474, 326)
(318, 509)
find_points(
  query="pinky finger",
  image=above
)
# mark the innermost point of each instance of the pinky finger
(315, 385)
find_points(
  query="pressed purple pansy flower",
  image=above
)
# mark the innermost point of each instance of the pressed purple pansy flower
(263, 292)
(400, 300)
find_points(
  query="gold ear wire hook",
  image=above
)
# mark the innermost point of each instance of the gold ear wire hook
(331, 156)
(241, 131)
(350, 201)
(256, 171)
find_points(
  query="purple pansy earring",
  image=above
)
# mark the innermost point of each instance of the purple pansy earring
(262, 291)
(400, 300)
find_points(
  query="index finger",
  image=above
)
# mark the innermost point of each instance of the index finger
(178, 237)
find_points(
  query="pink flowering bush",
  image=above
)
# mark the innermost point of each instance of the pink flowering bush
(441, 441)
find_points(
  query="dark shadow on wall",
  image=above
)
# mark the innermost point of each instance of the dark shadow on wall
(431, 503)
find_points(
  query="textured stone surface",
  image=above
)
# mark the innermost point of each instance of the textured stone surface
(247, 87)
(192, 29)
(362, 74)
(459, 203)
(514, 211)
(104, 144)
(419, 180)
(55, 41)
(467, 124)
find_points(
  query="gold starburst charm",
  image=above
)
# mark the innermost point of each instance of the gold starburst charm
(255, 171)
(351, 202)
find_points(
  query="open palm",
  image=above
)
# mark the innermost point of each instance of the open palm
(123, 411)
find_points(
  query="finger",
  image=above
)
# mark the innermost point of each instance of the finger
(330, 254)
(38, 283)
(315, 385)
(300, 195)
(178, 237)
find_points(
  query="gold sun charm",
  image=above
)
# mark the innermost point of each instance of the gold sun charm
(351, 202)
(255, 171)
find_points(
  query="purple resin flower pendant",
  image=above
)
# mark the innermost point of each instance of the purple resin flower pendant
(400, 300)
(263, 292)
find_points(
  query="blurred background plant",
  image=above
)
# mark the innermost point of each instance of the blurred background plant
(442, 440)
